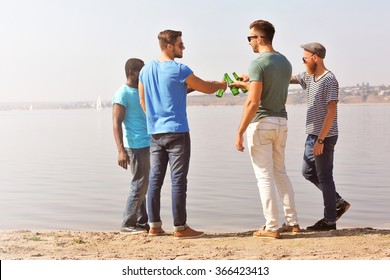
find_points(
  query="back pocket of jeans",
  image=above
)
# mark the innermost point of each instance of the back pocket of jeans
(264, 136)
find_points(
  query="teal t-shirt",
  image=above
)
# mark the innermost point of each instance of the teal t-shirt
(274, 71)
(135, 134)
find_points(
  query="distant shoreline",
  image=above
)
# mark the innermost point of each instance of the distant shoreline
(194, 100)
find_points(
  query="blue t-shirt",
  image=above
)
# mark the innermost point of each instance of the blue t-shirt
(165, 96)
(136, 135)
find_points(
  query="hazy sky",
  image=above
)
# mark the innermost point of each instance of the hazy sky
(75, 50)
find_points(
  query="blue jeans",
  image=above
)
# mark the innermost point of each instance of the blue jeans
(175, 149)
(135, 210)
(319, 171)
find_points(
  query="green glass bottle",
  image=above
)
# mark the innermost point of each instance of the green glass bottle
(221, 91)
(239, 79)
(229, 81)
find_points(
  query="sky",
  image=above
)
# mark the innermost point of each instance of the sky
(75, 50)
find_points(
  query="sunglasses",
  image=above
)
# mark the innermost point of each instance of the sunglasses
(305, 59)
(251, 37)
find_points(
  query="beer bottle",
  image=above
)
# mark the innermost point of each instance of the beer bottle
(221, 91)
(239, 79)
(229, 81)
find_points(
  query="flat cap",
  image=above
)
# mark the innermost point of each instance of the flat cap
(315, 48)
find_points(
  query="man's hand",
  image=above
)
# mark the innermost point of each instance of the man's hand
(318, 149)
(123, 159)
(239, 84)
(245, 78)
(239, 142)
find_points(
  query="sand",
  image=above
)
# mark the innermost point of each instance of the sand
(341, 244)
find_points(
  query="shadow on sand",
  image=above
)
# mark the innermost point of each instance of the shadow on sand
(312, 234)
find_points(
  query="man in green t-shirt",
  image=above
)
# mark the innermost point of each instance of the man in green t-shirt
(265, 120)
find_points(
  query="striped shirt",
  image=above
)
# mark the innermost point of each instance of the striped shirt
(319, 93)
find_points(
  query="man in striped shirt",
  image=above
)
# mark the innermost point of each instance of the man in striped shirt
(321, 126)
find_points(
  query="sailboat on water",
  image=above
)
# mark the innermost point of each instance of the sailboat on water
(99, 104)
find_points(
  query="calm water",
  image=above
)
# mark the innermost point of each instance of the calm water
(58, 171)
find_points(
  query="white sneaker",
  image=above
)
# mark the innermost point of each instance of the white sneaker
(133, 230)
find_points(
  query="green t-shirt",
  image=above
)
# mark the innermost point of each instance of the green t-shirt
(274, 71)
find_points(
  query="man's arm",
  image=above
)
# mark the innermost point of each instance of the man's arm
(195, 83)
(118, 115)
(141, 93)
(293, 80)
(189, 90)
(329, 118)
(250, 108)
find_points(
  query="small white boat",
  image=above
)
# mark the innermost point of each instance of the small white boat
(99, 104)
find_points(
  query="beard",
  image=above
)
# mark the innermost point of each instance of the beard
(311, 69)
(255, 49)
(178, 54)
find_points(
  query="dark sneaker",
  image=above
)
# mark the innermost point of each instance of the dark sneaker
(188, 233)
(144, 226)
(156, 231)
(341, 209)
(322, 225)
(266, 233)
(292, 229)
(133, 230)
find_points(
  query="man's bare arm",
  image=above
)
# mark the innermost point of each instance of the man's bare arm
(208, 87)
(293, 80)
(141, 93)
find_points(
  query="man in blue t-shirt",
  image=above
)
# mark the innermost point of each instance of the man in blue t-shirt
(164, 84)
(133, 147)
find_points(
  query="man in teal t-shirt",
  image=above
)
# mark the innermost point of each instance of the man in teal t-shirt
(133, 147)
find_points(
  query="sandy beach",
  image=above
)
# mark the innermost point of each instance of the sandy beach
(341, 244)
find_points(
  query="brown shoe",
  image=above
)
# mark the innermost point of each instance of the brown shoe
(292, 229)
(156, 231)
(187, 234)
(266, 233)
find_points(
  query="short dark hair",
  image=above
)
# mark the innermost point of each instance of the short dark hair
(133, 64)
(266, 29)
(168, 37)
